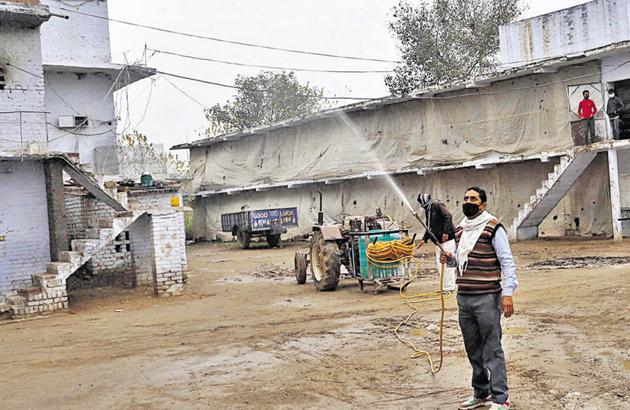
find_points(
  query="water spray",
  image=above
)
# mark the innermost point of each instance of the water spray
(382, 172)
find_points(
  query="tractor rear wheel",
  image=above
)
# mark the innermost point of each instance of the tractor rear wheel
(244, 239)
(299, 262)
(325, 264)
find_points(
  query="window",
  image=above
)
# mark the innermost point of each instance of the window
(80, 121)
(2, 77)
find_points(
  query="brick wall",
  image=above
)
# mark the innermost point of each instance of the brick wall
(23, 92)
(24, 238)
(152, 253)
(83, 212)
(152, 199)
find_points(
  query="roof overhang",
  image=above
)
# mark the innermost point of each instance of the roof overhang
(486, 163)
(548, 66)
(23, 14)
(129, 74)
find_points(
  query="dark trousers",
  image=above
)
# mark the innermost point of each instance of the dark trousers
(589, 135)
(480, 322)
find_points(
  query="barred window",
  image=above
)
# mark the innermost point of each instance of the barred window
(2, 77)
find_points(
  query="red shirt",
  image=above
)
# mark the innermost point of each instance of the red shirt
(587, 109)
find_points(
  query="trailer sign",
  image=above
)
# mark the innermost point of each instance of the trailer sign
(266, 218)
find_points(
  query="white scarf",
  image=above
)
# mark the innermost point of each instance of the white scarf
(472, 231)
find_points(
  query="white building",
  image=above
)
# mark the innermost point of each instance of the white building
(515, 132)
(57, 113)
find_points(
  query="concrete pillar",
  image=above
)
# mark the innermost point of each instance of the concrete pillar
(158, 250)
(615, 196)
(166, 247)
(56, 199)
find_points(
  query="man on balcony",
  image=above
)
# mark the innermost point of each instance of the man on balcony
(613, 108)
(587, 111)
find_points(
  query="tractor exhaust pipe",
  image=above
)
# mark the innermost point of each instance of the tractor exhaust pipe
(320, 214)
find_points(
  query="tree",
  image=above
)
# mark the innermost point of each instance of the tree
(137, 156)
(447, 40)
(263, 99)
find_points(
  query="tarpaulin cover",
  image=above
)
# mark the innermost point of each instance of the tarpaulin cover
(520, 116)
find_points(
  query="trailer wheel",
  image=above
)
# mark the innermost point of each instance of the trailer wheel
(325, 265)
(299, 262)
(244, 239)
(273, 240)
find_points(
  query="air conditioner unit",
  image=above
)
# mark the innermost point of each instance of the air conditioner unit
(74, 121)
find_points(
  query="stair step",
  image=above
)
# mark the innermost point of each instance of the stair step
(92, 233)
(105, 234)
(63, 269)
(16, 300)
(85, 246)
(28, 292)
(72, 257)
(106, 223)
(47, 280)
(124, 214)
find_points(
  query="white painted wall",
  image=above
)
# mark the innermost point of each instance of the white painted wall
(573, 30)
(623, 159)
(88, 96)
(23, 92)
(80, 40)
(25, 249)
(616, 68)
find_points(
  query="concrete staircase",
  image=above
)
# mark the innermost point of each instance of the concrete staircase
(48, 292)
(553, 189)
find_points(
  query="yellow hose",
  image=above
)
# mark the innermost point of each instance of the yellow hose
(390, 253)
(411, 301)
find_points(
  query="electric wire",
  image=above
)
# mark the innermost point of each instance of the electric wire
(184, 92)
(271, 67)
(199, 80)
(221, 40)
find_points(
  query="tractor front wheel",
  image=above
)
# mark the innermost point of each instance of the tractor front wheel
(325, 264)
(299, 262)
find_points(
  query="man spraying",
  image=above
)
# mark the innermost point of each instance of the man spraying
(482, 257)
(439, 221)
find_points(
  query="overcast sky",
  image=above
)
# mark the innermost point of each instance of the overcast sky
(346, 27)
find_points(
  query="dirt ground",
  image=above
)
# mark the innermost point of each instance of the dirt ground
(245, 335)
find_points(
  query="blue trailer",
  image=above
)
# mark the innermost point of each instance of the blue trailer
(270, 223)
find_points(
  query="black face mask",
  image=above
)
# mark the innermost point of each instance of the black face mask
(470, 210)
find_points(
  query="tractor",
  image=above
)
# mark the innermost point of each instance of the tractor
(346, 244)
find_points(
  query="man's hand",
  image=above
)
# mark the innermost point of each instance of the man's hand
(507, 306)
(444, 237)
(416, 251)
(445, 256)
